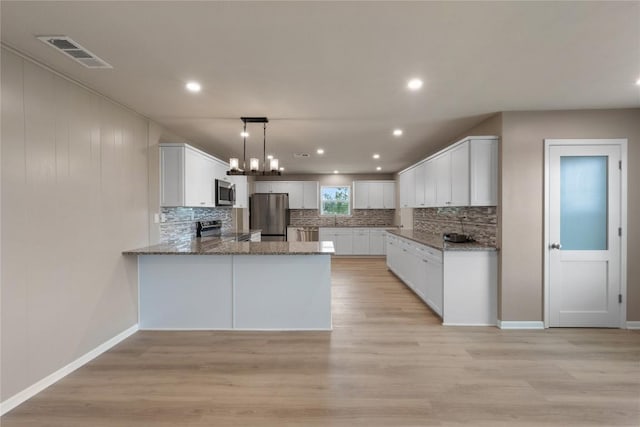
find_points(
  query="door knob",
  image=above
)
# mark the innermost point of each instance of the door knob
(555, 246)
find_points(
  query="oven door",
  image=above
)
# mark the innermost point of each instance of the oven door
(225, 193)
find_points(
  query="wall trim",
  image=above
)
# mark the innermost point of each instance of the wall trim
(523, 324)
(36, 388)
(633, 324)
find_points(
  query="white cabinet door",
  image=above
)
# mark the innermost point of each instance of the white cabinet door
(419, 185)
(430, 171)
(389, 195)
(279, 187)
(360, 195)
(377, 241)
(376, 195)
(460, 175)
(310, 195)
(295, 190)
(407, 189)
(443, 179)
(344, 241)
(434, 283)
(171, 176)
(360, 241)
(262, 187)
(240, 185)
(483, 169)
(194, 172)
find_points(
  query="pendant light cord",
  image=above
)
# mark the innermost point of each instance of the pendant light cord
(244, 138)
(264, 148)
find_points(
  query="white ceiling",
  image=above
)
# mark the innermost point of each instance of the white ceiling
(333, 74)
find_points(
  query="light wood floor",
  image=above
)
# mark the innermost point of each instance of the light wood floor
(388, 362)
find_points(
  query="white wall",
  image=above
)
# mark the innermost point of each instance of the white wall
(74, 195)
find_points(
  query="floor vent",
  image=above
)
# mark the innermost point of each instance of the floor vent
(74, 50)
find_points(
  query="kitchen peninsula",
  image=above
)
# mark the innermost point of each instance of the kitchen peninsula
(208, 284)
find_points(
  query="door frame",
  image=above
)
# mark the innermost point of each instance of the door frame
(622, 143)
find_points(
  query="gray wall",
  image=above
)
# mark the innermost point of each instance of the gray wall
(521, 221)
(74, 195)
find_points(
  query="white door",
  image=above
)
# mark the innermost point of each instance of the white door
(584, 238)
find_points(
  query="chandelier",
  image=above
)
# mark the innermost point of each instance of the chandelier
(254, 163)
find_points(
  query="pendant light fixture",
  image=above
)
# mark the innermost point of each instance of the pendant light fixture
(254, 163)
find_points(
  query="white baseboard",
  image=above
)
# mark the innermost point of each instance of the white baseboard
(527, 324)
(36, 388)
(468, 324)
(633, 324)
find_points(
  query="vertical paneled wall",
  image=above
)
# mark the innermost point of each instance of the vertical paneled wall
(74, 195)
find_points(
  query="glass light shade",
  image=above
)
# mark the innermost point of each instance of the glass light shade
(234, 164)
(274, 164)
(254, 164)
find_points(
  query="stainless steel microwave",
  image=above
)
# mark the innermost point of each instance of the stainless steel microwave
(225, 193)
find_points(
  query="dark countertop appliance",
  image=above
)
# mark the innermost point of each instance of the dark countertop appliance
(208, 228)
(269, 212)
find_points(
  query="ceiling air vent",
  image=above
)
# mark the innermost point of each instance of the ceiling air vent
(301, 155)
(74, 50)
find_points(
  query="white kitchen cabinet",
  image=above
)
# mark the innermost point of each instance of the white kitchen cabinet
(463, 174)
(377, 244)
(360, 194)
(460, 286)
(242, 195)
(302, 194)
(360, 245)
(295, 191)
(310, 195)
(460, 175)
(483, 170)
(452, 177)
(373, 194)
(407, 188)
(356, 240)
(418, 187)
(187, 176)
(389, 194)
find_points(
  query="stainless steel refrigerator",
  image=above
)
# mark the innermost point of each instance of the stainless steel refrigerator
(269, 212)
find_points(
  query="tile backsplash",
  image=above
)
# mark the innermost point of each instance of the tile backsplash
(478, 222)
(359, 217)
(180, 223)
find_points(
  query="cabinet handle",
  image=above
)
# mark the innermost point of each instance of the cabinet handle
(202, 203)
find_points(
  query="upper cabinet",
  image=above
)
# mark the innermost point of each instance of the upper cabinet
(464, 174)
(374, 195)
(187, 176)
(302, 194)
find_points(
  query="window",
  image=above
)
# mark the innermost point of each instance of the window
(335, 200)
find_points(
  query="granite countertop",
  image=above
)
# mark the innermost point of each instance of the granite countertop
(344, 226)
(435, 241)
(217, 246)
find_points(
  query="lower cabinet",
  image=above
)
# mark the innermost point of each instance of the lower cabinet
(355, 241)
(460, 286)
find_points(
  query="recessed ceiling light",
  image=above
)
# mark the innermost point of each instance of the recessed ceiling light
(397, 132)
(320, 151)
(244, 134)
(270, 156)
(638, 82)
(414, 84)
(193, 87)
(376, 156)
(281, 168)
(336, 172)
(379, 168)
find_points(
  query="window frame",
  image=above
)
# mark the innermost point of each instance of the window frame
(349, 207)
